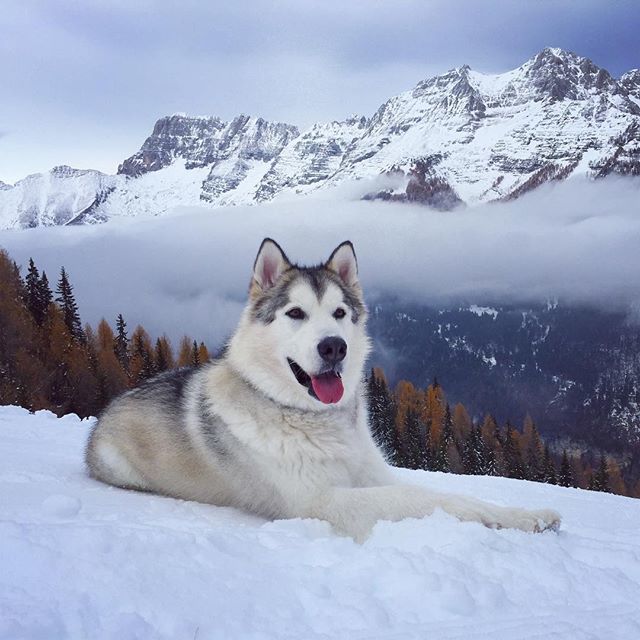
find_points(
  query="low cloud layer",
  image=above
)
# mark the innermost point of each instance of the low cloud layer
(189, 272)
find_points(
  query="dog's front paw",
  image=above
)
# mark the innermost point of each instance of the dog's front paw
(530, 521)
(548, 520)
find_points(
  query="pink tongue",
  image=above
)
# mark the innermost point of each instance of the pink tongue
(328, 388)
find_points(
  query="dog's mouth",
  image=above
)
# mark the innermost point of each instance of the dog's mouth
(326, 387)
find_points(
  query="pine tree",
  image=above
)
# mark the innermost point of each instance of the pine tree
(141, 364)
(566, 478)
(46, 296)
(531, 446)
(121, 344)
(67, 302)
(32, 292)
(19, 284)
(37, 294)
(447, 426)
(473, 453)
(91, 347)
(164, 354)
(490, 446)
(442, 458)
(548, 468)
(415, 442)
(382, 416)
(601, 477)
(195, 355)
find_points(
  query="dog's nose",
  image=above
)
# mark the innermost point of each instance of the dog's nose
(332, 350)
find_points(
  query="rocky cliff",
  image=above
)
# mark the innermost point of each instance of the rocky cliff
(462, 137)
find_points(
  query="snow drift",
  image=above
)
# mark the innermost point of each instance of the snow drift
(80, 559)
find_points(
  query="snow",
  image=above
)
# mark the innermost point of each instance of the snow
(83, 560)
(52, 198)
(486, 135)
(491, 361)
(492, 84)
(482, 311)
(157, 192)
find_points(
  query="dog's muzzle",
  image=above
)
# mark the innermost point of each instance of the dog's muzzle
(326, 387)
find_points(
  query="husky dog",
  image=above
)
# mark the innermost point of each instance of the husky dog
(278, 425)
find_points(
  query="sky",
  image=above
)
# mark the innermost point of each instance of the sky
(576, 241)
(84, 81)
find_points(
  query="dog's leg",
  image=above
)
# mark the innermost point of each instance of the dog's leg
(354, 512)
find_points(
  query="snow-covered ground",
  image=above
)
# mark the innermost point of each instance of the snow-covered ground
(82, 560)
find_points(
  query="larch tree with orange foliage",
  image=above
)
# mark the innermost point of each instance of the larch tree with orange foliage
(112, 378)
(185, 352)
(203, 353)
(433, 413)
(461, 422)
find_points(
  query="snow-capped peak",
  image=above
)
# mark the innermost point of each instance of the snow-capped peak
(461, 136)
(631, 82)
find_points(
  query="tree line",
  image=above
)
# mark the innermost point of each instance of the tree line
(50, 360)
(420, 430)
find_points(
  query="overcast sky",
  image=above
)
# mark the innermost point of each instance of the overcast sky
(84, 80)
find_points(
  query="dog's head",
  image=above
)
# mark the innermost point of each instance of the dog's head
(302, 338)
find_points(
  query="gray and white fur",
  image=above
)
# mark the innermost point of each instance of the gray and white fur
(278, 425)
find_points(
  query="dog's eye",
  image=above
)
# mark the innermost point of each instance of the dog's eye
(296, 313)
(339, 313)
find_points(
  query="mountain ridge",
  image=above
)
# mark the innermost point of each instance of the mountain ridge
(461, 137)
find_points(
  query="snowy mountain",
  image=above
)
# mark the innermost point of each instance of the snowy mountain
(461, 137)
(61, 196)
(236, 154)
(631, 82)
(83, 560)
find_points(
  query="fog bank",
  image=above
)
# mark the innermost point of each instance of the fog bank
(578, 241)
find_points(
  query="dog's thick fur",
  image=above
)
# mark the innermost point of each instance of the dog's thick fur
(250, 431)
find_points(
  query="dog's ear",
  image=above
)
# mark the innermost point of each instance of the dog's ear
(343, 262)
(271, 262)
